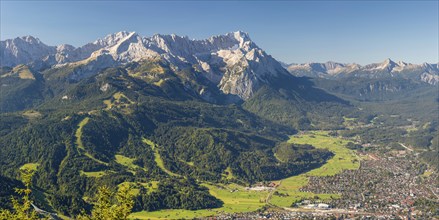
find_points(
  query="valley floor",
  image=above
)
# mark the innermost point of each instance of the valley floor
(369, 183)
(391, 185)
(386, 186)
(239, 199)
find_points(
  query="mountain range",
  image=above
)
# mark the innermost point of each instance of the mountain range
(170, 114)
(425, 72)
(220, 59)
(229, 61)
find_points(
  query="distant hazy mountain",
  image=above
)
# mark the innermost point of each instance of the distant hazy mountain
(420, 72)
(231, 61)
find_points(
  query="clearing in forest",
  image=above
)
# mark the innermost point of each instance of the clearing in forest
(157, 158)
(118, 100)
(80, 145)
(128, 162)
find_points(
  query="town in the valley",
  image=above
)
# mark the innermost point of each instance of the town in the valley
(392, 185)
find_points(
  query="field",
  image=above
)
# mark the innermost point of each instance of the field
(344, 159)
(237, 199)
(171, 214)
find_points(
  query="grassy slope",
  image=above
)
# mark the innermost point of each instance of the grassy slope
(78, 133)
(80, 145)
(135, 186)
(157, 157)
(116, 102)
(128, 162)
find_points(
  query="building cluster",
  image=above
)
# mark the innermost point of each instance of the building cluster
(383, 184)
(390, 185)
(293, 215)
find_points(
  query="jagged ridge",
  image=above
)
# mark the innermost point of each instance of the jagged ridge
(232, 61)
(425, 72)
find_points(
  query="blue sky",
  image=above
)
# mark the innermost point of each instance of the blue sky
(291, 31)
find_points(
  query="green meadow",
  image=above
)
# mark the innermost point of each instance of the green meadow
(95, 174)
(343, 159)
(128, 162)
(237, 199)
(136, 186)
(78, 133)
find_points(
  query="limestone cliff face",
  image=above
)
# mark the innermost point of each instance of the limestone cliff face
(232, 61)
(23, 50)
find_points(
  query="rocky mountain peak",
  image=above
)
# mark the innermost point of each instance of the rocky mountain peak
(388, 68)
(65, 47)
(387, 64)
(231, 61)
(402, 63)
(115, 38)
(29, 39)
(242, 37)
(23, 50)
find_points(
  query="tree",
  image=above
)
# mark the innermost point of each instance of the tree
(104, 208)
(22, 210)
